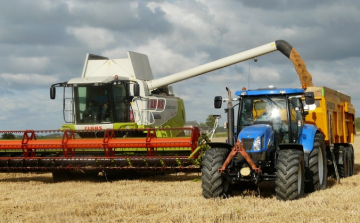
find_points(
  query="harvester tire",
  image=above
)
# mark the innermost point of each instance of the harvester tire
(316, 172)
(213, 183)
(344, 169)
(290, 175)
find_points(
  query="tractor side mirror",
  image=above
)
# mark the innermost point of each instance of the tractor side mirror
(309, 98)
(136, 90)
(217, 102)
(52, 92)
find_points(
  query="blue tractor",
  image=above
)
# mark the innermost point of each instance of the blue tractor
(269, 142)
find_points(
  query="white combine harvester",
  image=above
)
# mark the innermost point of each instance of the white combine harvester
(123, 94)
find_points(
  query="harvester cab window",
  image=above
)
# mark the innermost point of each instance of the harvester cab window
(81, 101)
(122, 103)
(92, 104)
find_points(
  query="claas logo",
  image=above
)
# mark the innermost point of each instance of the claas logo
(93, 128)
(157, 104)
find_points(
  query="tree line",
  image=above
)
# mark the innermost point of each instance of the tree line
(210, 121)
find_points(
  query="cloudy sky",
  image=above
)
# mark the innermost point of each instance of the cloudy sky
(45, 42)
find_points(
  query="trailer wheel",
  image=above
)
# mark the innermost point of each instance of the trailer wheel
(213, 183)
(316, 173)
(344, 169)
(351, 158)
(290, 175)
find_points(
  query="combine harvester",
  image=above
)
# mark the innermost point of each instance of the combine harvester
(120, 119)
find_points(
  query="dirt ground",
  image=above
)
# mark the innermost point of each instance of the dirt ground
(168, 198)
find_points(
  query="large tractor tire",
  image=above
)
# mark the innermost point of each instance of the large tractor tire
(344, 169)
(290, 175)
(213, 183)
(316, 173)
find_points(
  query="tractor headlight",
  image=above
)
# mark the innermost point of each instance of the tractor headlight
(257, 144)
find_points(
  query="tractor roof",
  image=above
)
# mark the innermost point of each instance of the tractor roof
(270, 91)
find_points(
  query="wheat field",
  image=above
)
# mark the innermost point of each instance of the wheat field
(168, 198)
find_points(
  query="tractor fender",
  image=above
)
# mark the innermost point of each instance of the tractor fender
(307, 137)
(307, 140)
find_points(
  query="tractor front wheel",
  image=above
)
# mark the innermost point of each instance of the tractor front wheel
(214, 184)
(290, 175)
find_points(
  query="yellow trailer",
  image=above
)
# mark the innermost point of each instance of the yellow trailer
(334, 115)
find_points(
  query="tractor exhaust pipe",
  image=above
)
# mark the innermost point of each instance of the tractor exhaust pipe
(230, 116)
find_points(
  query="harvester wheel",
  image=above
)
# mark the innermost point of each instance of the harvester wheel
(290, 175)
(316, 173)
(344, 169)
(213, 183)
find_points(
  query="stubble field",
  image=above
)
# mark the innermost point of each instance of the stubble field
(169, 198)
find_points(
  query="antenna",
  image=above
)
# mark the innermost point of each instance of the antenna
(248, 78)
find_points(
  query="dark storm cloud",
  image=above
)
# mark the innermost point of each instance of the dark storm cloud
(133, 24)
(284, 5)
(324, 30)
(35, 30)
(32, 23)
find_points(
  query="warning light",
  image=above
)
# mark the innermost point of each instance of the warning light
(116, 77)
(304, 86)
(244, 89)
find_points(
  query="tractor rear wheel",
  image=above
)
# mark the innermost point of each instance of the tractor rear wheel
(290, 175)
(316, 173)
(214, 184)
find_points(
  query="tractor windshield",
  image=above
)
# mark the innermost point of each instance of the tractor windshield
(265, 110)
(101, 104)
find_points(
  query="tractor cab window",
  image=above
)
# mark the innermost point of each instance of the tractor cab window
(295, 118)
(266, 110)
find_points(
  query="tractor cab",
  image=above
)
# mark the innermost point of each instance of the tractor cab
(270, 117)
(270, 114)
